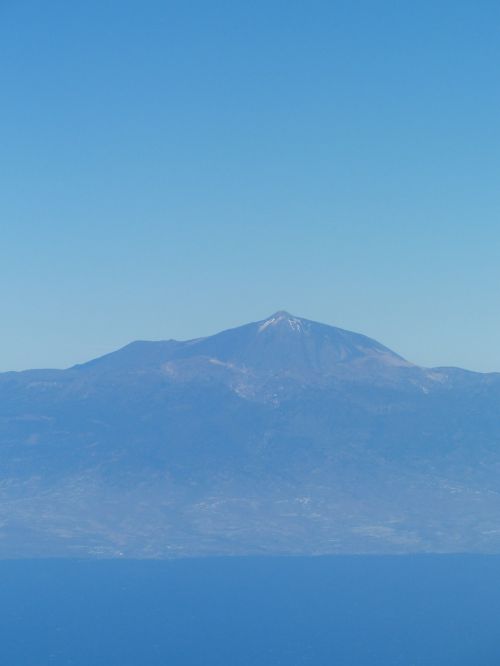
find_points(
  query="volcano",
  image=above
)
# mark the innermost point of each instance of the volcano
(281, 436)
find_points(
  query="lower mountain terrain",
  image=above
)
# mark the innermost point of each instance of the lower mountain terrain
(283, 436)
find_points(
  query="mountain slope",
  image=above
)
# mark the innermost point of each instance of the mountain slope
(281, 343)
(283, 435)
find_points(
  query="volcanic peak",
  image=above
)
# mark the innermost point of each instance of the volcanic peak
(282, 318)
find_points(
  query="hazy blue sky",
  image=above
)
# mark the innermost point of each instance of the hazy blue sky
(169, 169)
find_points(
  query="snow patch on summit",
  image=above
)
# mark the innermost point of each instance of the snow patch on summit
(267, 323)
(294, 323)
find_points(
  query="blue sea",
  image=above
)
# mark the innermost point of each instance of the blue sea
(324, 611)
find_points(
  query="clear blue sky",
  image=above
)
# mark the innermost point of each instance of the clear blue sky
(169, 169)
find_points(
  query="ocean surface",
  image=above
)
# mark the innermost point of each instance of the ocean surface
(325, 611)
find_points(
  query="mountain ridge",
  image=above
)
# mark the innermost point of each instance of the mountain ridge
(281, 322)
(279, 436)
